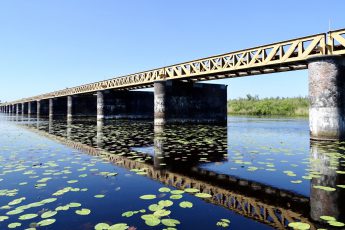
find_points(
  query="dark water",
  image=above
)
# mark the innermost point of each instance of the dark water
(256, 173)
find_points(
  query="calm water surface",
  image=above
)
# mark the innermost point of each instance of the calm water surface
(256, 173)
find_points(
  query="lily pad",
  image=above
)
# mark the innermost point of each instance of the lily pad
(162, 212)
(2, 218)
(170, 222)
(46, 222)
(165, 203)
(164, 189)
(119, 226)
(299, 225)
(327, 218)
(155, 207)
(336, 223)
(203, 195)
(328, 189)
(99, 196)
(148, 197)
(128, 214)
(102, 226)
(83, 212)
(48, 214)
(192, 190)
(175, 197)
(14, 225)
(27, 216)
(74, 205)
(186, 204)
(177, 192)
(151, 220)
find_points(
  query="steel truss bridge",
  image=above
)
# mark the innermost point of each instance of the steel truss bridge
(277, 57)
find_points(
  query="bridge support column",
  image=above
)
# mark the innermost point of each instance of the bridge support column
(19, 109)
(187, 102)
(100, 105)
(14, 108)
(69, 107)
(327, 97)
(29, 108)
(24, 108)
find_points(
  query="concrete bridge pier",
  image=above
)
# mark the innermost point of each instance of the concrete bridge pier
(29, 108)
(19, 108)
(100, 107)
(327, 97)
(187, 102)
(24, 108)
(14, 109)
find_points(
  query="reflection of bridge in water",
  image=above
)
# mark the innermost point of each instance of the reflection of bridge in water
(272, 206)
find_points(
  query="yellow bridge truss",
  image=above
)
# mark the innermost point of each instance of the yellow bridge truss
(277, 57)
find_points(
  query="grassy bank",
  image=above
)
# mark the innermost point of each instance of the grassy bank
(253, 105)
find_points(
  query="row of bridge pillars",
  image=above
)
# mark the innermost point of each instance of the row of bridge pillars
(184, 102)
(171, 102)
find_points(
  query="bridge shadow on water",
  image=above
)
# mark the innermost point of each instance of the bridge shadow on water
(179, 155)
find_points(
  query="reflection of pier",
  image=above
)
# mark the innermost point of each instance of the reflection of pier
(326, 161)
(226, 191)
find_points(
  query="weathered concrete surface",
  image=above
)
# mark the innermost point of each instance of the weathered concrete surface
(326, 203)
(180, 102)
(100, 105)
(69, 107)
(327, 97)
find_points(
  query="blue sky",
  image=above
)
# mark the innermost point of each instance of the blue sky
(51, 45)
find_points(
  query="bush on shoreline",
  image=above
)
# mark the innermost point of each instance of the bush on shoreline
(253, 105)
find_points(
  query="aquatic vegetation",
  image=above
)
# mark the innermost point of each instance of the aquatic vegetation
(186, 204)
(83, 211)
(223, 223)
(299, 225)
(148, 197)
(68, 180)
